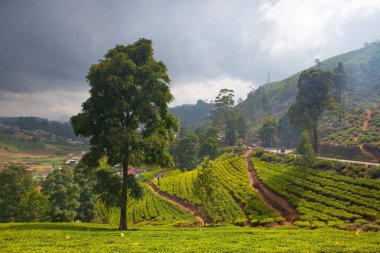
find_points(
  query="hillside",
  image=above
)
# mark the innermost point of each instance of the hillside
(193, 115)
(362, 67)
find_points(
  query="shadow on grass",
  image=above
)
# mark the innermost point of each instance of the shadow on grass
(61, 226)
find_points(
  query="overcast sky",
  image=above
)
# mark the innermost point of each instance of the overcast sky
(47, 46)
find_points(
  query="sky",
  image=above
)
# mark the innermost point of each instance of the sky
(48, 46)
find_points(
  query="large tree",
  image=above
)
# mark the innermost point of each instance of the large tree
(15, 183)
(127, 115)
(313, 98)
(63, 194)
(307, 152)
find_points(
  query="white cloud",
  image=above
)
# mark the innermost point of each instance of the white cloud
(189, 93)
(298, 26)
(52, 104)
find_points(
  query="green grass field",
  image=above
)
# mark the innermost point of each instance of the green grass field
(70, 237)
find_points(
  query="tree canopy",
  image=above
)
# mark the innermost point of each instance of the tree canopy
(127, 116)
(313, 98)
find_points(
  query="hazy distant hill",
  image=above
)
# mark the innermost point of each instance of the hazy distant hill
(363, 70)
(193, 115)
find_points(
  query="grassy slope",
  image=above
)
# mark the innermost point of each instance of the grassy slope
(234, 202)
(326, 199)
(70, 237)
(149, 210)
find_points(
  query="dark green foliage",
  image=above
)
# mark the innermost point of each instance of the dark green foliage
(186, 152)
(63, 194)
(15, 184)
(313, 98)
(127, 117)
(34, 206)
(210, 148)
(85, 177)
(268, 131)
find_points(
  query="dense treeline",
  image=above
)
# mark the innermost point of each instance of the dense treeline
(64, 195)
(34, 123)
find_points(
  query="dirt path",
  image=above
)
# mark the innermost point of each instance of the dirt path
(173, 201)
(367, 118)
(275, 202)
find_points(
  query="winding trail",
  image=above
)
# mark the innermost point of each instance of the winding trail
(176, 202)
(275, 202)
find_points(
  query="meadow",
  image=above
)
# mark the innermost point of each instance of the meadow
(84, 237)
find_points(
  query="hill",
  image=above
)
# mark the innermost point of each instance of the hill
(193, 115)
(363, 71)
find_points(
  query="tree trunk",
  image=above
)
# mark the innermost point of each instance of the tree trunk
(123, 210)
(315, 144)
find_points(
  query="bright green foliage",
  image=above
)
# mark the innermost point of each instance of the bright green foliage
(69, 237)
(63, 194)
(34, 206)
(306, 150)
(15, 183)
(313, 98)
(233, 202)
(150, 209)
(268, 131)
(127, 115)
(327, 199)
(204, 184)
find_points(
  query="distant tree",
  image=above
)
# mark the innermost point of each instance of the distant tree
(15, 183)
(230, 128)
(185, 131)
(313, 98)
(210, 147)
(240, 147)
(306, 150)
(339, 88)
(288, 135)
(34, 206)
(268, 131)
(204, 185)
(240, 100)
(85, 177)
(241, 126)
(63, 194)
(186, 153)
(223, 102)
(127, 115)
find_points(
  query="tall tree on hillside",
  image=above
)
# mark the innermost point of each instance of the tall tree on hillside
(339, 88)
(268, 131)
(223, 103)
(313, 98)
(127, 114)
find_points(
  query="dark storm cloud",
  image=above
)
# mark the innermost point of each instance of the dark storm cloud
(47, 46)
(47, 43)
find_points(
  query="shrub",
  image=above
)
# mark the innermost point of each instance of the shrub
(323, 164)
